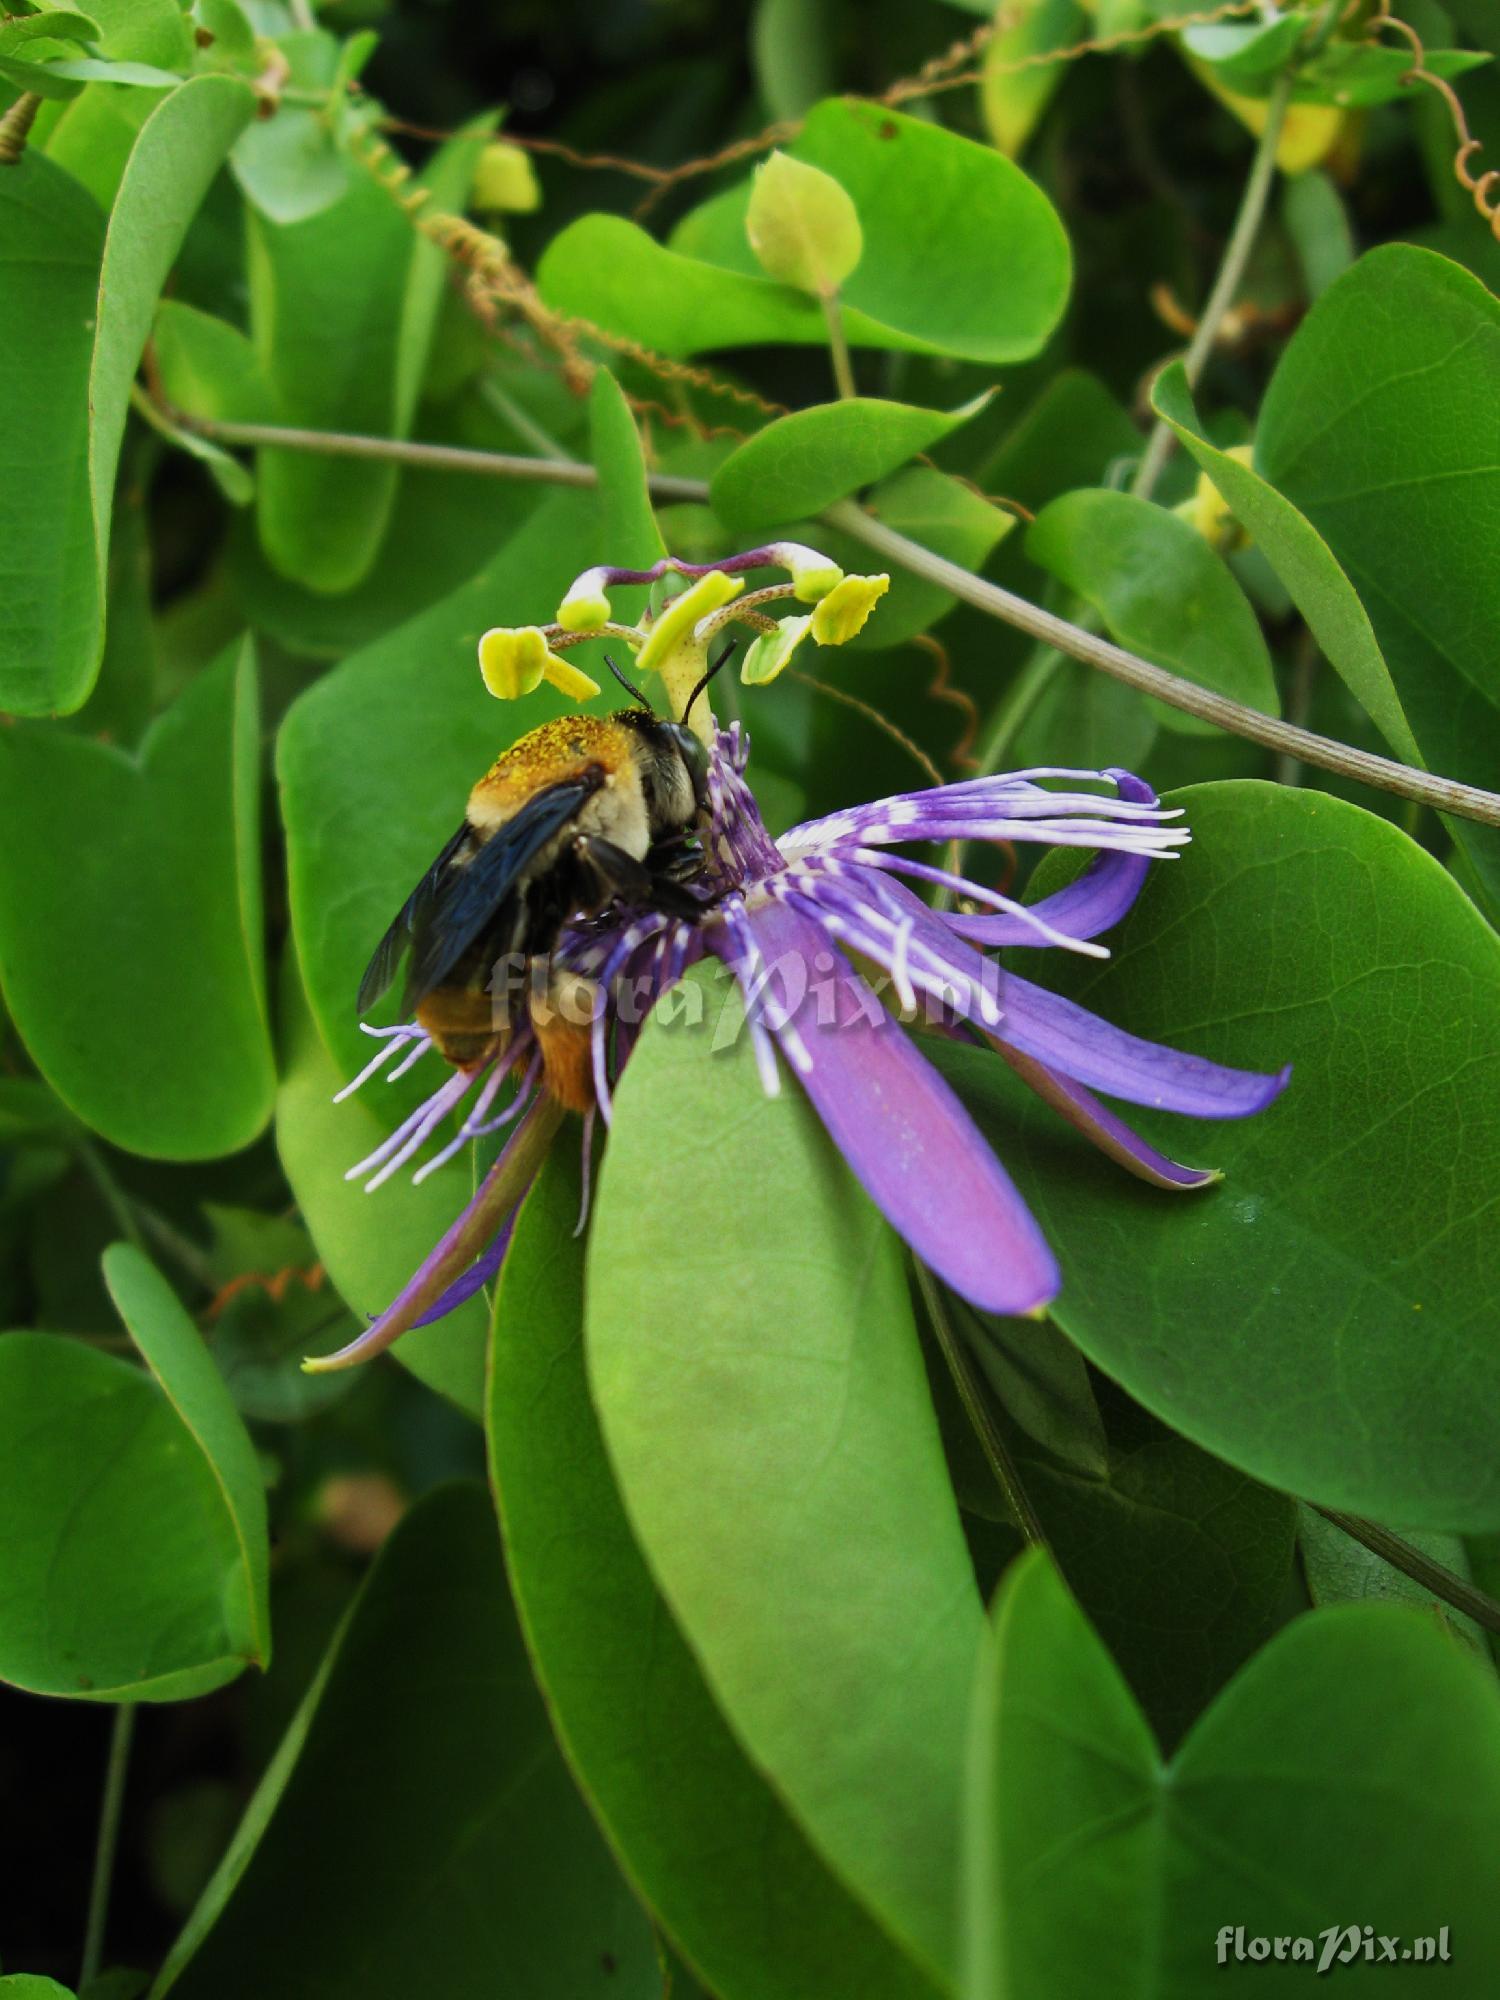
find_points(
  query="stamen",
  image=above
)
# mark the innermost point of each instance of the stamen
(387, 1049)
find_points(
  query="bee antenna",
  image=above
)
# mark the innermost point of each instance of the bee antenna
(726, 654)
(629, 686)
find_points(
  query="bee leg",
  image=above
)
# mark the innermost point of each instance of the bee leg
(606, 871)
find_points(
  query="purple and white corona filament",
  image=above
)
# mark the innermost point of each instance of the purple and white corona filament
(789, 918)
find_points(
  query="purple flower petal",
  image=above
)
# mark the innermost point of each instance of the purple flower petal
(905, 1135)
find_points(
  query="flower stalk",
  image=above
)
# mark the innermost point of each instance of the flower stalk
(1384, 774)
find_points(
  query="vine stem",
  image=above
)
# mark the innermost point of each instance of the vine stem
(971, 1394)
(1247, 223)
(109, 1833)
(1455, 1590)
(838, 345)
(1382, 773)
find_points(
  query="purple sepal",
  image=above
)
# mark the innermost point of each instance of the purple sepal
(1064, 1036)
(1105, 1129)
(477, 1275)
(909, 1141)
(1097, 901)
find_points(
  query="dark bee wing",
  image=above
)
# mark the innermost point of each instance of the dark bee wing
(466, 899)
(387, 955)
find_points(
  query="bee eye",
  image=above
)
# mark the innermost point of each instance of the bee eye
(694, 753)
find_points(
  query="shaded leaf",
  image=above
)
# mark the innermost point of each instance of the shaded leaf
(452, 1852)
(1162, 592)
(1352, 1767)
(124, 1579)
(130, 924)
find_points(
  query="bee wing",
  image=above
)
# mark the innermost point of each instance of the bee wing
(464, 900)
(387, 954)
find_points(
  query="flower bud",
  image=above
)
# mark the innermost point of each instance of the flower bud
(802, 226)
(505, 180)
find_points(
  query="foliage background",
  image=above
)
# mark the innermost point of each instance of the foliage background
(743, 1631)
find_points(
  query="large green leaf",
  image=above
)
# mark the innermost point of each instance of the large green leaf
(70, 392)
(51, 240)
(1397, 465)
(342, 308)
(370, 1244)
(1324, 1317)
(377, 759)
(177, 1356)
(762, 1397)
(989, 284)
(802, 463)
(417, 1832)
(1303, 561)
(130, 923)
(92, 137)
(715, 1853)
(1161, 590)
(125, 1579)
(1350, 1775)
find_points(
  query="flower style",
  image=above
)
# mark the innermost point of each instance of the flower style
(790, 918)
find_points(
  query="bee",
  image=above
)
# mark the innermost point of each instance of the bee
(580, 812)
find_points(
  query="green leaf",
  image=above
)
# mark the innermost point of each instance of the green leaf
(342, 308)
(29, 1110)
(628, 530)
(1247, 56)
(802, 463)
(279, 1307)
(802, 226)
(1340, 1570)
(370, 1243)
(1318, 223)
(1302, 559)
(73, 389)
(377, 759)
(1322, 1318)
(31, 1986)
(1014, 91)
(714, 1852)
(177, 1357)
(420, 1780)
(1360, 73)
(51, 240)
(125, 1577)
(1161, 591)
(290, 166)
(1180, 1561)
(1350, 1774)
(989, 287)
(130, 927)
(1399, 470)
(57, 24)
(209, 368)
(761, 1393)
(790, 44)
(944, 515)
(1042, 1383)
